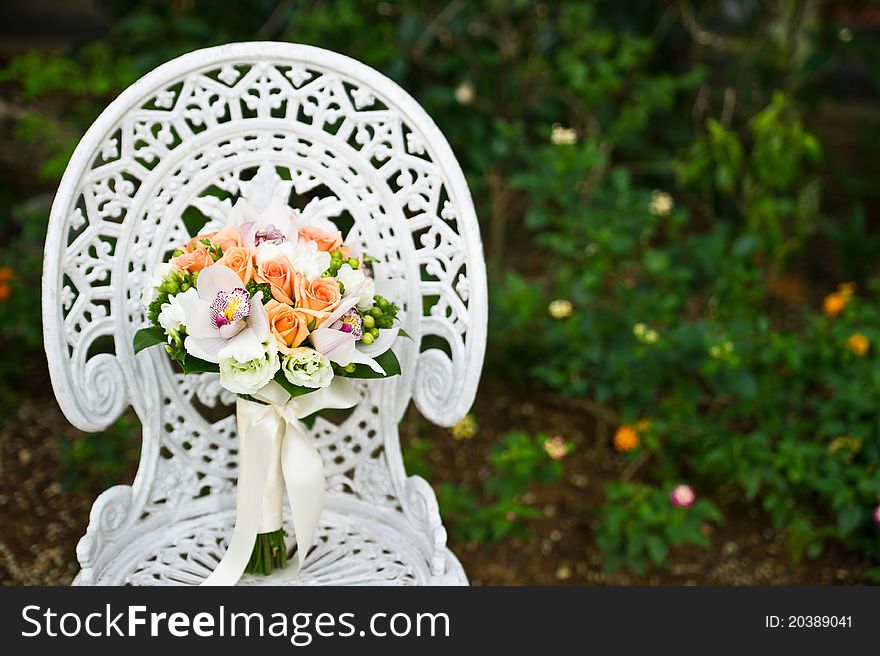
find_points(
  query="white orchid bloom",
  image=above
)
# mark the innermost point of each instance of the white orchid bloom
(341, 346)
(274, 225)
(222, 321)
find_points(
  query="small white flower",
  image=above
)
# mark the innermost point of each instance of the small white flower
(661, 203)
(307, 368)
(172, 317)
(249, 376)
(560, 136)
(464, 93)
(355, 279)
(149, 293)
(561, 308)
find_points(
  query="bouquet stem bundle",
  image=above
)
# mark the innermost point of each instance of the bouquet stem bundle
(269, 553)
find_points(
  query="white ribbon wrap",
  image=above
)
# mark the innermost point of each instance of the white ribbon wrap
(275, 452)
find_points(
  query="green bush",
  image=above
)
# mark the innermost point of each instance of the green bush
(498, 509)
(639, 525)
(673, 319)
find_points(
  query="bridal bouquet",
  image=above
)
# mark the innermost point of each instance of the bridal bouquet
(284, 313)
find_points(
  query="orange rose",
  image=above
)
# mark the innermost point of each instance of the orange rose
(279, 274)
(240, 260)
(224, 239)
(320, 295)
(289, 325)
(326, 241)
(193, 261)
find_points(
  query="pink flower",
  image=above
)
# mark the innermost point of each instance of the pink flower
(682, 496)
(877, 515)
(556, 447)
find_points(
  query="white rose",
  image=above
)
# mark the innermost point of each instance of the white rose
(303, 256)
(307, 368)
(355, 279)
(250, 376)
(149, 293)
(172, 317)
(365, 298)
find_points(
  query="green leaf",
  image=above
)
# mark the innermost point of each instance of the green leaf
(147, 337)
(403, 333)
(290, 388)
(388, 361)
(849, 518)
(193, 365)
(657, 549)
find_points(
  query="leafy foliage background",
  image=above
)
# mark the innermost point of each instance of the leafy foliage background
(669, 192)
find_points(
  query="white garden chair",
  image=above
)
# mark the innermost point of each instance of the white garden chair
(352, 146)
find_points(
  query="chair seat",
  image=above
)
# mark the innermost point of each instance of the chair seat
(350, 549)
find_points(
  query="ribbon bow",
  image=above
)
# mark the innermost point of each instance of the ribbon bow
(276, 453)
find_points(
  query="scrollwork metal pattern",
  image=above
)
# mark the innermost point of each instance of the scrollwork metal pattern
(176, 149)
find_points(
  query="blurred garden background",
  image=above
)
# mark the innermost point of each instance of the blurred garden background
(681, 213)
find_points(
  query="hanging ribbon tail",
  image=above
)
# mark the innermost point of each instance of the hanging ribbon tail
(258, 428)
(302, 464)
(304, 479)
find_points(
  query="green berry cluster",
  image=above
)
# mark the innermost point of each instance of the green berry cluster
(382, 313)
(253, 287)
(173, 283)
(336, 262)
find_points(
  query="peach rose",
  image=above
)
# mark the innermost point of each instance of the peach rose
(240, 260)
(326, 241)
(279, 274)
(290, 326)
(228, 237)
(320, 295)
(224, 239)
(193, 261)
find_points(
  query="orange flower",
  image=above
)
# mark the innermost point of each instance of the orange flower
(194, 260)
(326, 241)
(858, 344)
(224, 239)
(626, 439)
(290, 326)
(280, 275)
(834, 304)
(320, 295)
(5, 277)
(240, 260)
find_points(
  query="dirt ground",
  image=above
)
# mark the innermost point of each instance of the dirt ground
(40, 522)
